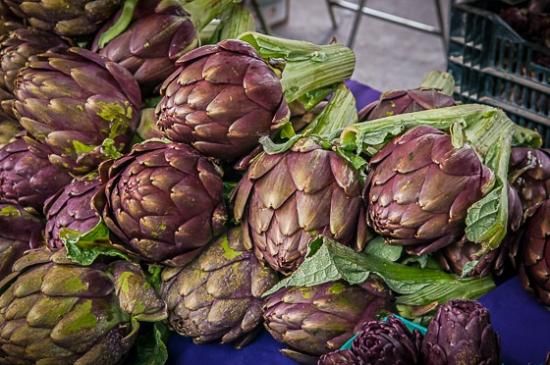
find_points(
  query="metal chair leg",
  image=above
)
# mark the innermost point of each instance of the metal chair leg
(331, 14)
(356, 23)
(261, 18)
(441, 24)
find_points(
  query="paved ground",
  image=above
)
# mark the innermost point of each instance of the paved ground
(388, 56)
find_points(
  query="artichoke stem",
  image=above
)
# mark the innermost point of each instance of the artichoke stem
(202, 12)
(439, 80)
(235, 22)
(121, 24)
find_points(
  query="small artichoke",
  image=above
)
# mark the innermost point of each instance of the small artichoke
(67, 18)
(340, 357)
(55, 312)
(19, 232)
(398, 102)
(286, 199)
(27, 177)
(461, 334)
(316, 320)
(19, 47)
(218, 295)
(164, 202)
(530, 175)
(534, 260)
(74, 101)
(221, 99)
(420, 188)
(387, 343)
(71, 209)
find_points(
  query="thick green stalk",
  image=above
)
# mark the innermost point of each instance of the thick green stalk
(203, 12)
(120, 25)
(235, 22)
(305, 66)
(439, 80)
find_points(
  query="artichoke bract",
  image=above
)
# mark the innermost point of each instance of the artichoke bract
(530, 175)
(20, 45)
(534, 260)
(420, 188)
(434, 93)
(27, 177)
(67, 18)
(19, 231)
(164, 202)
(74, 101)
(315, 320)
(340, 357)
(160, 33)
(387, 343)
(218, 295)
(71, 209)
(55, 312)
(461, 334)
(222, 98)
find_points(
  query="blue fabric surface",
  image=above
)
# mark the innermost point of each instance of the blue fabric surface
(523, 324)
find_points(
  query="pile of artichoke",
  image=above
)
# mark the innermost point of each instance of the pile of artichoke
(209, 182)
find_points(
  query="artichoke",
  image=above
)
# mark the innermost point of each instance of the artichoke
(19, 231)
(530, 175)
(387, 343)
(27, 177)
(286, 199)
(461, 334)
(340, 357)
(75, 102)
(420, 188)
(9, 127)
(19, 47)
(218, 295)
(315, 320)
(71, 209)
(534, 261)
(164, 202)
(221, 99)
(67, 18)
(54, 312)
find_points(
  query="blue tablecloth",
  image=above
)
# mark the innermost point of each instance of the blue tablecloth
(523, 324)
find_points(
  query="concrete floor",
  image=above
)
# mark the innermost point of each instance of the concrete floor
(388, 56)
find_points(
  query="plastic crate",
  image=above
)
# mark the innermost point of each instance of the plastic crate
(494, 65)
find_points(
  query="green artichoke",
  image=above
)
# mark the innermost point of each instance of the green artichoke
(316, 320)
(387, 343)
(19, 46)
(67, 18)
(340, 357)
(71, 209)
(27, 177)
(461, 334)
(286, 199)
(19, 231)
(75, 101)
(534, 260)
(420, 188)
(54, 312)
(163, 201)
(218, 295)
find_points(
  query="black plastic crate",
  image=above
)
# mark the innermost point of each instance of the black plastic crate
(493, 64)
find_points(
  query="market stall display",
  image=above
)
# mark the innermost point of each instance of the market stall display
(154, 186)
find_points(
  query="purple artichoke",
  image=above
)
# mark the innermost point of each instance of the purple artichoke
(534, 261)
(461, 334)
(75, 102)
(221, 99)
(340, 357)
(420, 188)
(68, 18)
(218, 295)
(19, 231)
(387, 343)
(55, 312)
(286, 199)
(530, 175)
(19, 47)
(319, 319)
(71, 209)
(149, 48)
(164, 202)
(27, 177)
